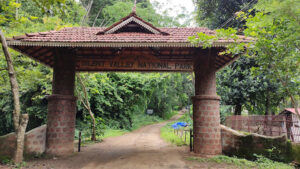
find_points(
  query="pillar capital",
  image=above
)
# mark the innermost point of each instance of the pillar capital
(206, 97)
(61, 97)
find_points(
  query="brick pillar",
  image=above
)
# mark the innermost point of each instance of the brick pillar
(62, 106)
(206, 116)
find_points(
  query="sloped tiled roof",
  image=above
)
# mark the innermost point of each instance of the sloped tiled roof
(177, 36)
(168, 44)
(292, 110)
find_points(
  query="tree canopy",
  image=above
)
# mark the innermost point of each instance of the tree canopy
(274, 28)
(118, 100)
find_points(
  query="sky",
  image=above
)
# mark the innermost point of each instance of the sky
(174, 7)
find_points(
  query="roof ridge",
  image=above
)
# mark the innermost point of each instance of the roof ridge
(132, 17)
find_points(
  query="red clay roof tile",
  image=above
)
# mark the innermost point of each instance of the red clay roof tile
(89, 34)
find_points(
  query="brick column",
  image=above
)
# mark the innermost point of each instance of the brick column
(206, 116)
(62, 106)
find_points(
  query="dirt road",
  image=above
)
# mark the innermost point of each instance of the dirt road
(141, 149)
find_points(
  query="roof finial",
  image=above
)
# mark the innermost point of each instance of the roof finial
(134, 7)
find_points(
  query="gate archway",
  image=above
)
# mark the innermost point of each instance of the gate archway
(131, 44)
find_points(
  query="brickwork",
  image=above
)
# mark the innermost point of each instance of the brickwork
(206, 116)
(61, 124)
(35, 142)
(62, 107)
(260, 124)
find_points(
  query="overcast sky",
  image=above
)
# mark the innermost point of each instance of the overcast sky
(174, 7)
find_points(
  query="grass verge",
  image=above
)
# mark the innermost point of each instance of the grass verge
(260, 163)
(177, 137)
(168, 134)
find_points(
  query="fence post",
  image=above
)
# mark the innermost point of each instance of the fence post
(79, 141)
(191, 140)
(184, 136)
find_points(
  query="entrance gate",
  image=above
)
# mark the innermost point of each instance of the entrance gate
(131, 44)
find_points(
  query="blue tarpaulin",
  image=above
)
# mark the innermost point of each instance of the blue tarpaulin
(178, 125)
(174, 126)
(182, 124)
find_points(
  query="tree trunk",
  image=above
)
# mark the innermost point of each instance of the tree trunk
(20, 122)
(85, 102)
(267, 105)
(18, 157)
(13, 82)
(97, 16)
(93, 138)
(87, 12)
(238, 109)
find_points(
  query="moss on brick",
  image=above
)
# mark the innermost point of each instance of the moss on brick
(251, 145)
(296, 152)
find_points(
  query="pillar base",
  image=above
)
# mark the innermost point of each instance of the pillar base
(60, 124)
(206, 116)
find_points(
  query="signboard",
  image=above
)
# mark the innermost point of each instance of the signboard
(149, 111)
(134, 63)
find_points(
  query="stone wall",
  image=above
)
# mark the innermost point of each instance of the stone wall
(35, 142)
(243, 145)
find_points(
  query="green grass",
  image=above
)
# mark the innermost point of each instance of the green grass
(170, 114)
(141, 120)
(167, 133)
(260, 163)
(112, 133)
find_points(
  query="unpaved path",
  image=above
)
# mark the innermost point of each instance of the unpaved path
(141, 149)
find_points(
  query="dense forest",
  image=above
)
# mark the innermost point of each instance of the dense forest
(254, 84)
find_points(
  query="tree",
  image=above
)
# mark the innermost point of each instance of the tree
(240, 87)
(85, 101)
(20, 120)
(275, 45)
(221, 14)
(105, 13)
(13, 21)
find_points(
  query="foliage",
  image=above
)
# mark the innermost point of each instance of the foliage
(105, 13)
(214, 14)
(86, 125)
(260, 163)
(117, 98)
(225, 110)
(274, 47)
(238, 86)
